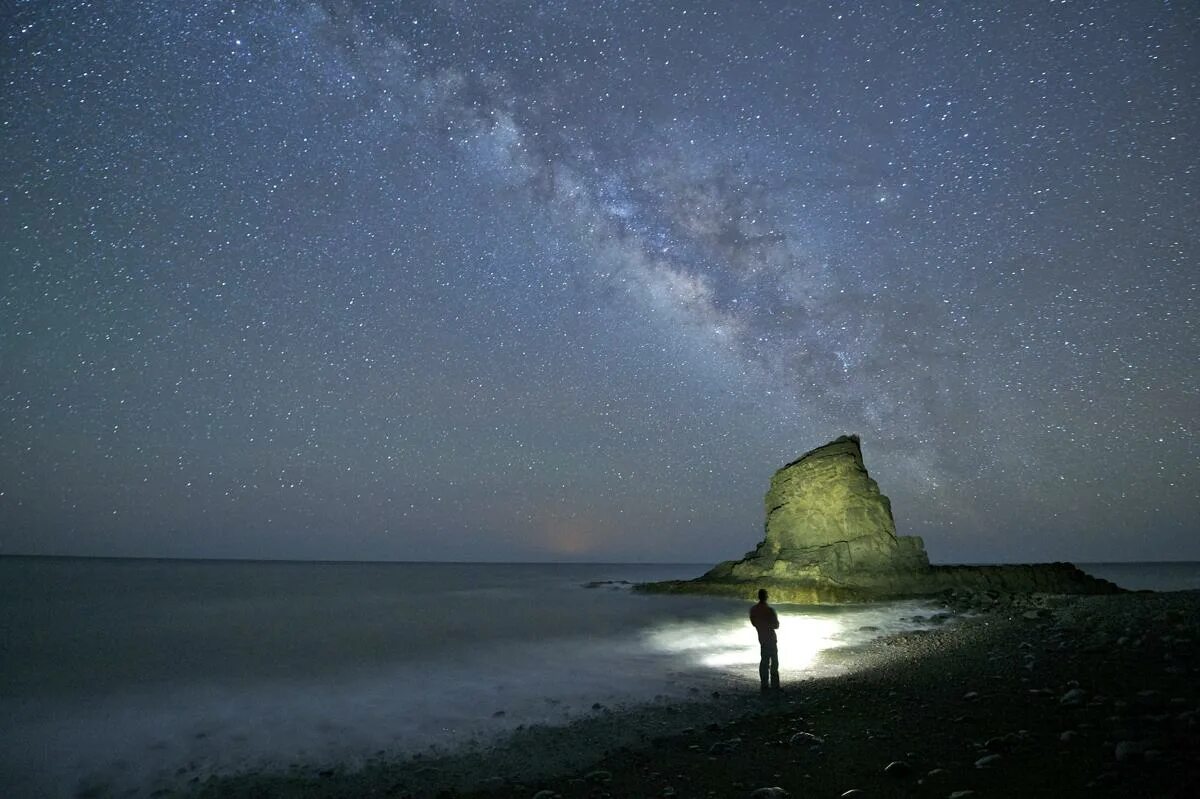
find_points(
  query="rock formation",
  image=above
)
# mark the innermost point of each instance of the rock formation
(830, 537)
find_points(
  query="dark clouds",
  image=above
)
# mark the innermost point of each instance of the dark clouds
(509, 281)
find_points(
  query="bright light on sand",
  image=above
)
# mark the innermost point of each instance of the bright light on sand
(728, 643)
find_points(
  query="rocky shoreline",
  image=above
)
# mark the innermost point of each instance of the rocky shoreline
(932, 582)
(1019, 696)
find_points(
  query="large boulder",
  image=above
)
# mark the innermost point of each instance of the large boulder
(828, 529)
(830, 537)
(824, 497)
(824, 510)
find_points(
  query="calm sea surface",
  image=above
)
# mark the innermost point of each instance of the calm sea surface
(1163, 576)
(135, 674)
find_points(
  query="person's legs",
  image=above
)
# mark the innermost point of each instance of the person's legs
(766, 653)
(774, 666)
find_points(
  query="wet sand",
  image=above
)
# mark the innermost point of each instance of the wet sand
(1054, 696)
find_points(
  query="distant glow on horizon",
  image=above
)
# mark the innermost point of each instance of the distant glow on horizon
(730, 644)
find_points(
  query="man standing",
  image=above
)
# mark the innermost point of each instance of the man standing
(763, 617)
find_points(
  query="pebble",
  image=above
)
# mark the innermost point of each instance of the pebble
(724, 747)
(1073, 697)
(853, 793)
(1104, 779)
(546, 794)
(987, 761)
(805, 739)
(961, 794)
(1128, 751)
(897, 768)
(1066, 736)
(1150, 699)
(598, 776)
(998, 744)
(770, 793)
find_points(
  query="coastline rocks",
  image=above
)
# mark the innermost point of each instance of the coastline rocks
(830, 537)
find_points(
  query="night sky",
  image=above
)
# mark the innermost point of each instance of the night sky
(569, 281)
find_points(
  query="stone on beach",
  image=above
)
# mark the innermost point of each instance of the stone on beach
(770, 793)
(1129, 751)
(805, 739)
(725, 747)
(1075, 696)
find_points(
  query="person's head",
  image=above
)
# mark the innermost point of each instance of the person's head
(762, 595)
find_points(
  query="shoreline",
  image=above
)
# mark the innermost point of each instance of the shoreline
(1072, 696)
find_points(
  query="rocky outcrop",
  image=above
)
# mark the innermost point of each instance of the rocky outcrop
(827, 522)
(830, 537)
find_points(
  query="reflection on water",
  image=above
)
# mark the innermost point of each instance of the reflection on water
(805, 632)
(729, 644)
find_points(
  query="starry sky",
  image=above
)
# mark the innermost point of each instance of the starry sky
(508, 280)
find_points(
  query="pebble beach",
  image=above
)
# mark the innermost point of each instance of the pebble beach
(1027, 696)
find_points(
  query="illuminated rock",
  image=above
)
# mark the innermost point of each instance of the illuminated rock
(829, 532)
(830, 537)
(826, 519)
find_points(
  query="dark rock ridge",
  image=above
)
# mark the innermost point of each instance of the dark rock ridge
(830, 537)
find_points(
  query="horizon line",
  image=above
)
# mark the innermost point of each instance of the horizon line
(334, 561)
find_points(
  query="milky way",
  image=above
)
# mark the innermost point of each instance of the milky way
(525, 281)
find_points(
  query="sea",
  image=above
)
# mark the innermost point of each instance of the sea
(125, 676)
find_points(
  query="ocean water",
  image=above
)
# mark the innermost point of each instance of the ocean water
(123, 676)
(1151, 576)
(128, 675)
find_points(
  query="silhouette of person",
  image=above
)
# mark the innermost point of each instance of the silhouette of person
(763, 617)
